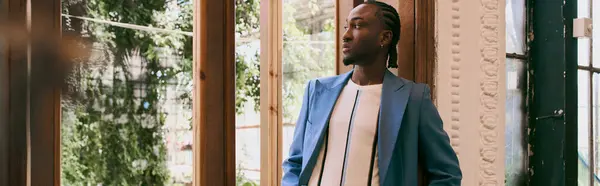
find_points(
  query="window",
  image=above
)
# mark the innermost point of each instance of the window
(308, 53)
(127, 119)
(127, 116)
(516, 92)
(588, 140)
(247, 62)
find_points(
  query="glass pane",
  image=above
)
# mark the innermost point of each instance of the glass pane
(247, 60)
(583, 8)
(308, 53)
(596, 122)
(515, 123)
(127, 117)
(583, 119)
(583, 51)
(596, 33)
(515, 26)
(583, 44)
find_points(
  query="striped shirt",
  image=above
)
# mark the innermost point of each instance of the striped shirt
(349, 154)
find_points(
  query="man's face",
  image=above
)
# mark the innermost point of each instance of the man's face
(361, 39)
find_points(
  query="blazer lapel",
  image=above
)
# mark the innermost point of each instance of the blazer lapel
(324, 99)
(394, 98)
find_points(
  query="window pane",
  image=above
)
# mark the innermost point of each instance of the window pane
(583, 10)
(583, 119)
(515, 122)
(127, 117)
(583, 51)
(515, 26)
(596, 122)
(308, 52)
(596, 33)
(247, 133)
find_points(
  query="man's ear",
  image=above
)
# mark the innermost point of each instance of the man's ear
(385, 38)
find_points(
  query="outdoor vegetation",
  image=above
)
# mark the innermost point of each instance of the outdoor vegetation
(126, 119)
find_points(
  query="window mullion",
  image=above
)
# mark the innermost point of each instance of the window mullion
(271, 117)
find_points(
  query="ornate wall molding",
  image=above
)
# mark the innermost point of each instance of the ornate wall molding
(454, 131)
(470, 81)
(489, 95)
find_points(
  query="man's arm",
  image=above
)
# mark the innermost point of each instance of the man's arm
(293, 164)
(441, 162)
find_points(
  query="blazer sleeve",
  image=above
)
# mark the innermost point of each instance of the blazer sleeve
(440, 160)
(292, 166)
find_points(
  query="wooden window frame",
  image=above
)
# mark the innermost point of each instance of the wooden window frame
(271, 76)
(35, 159)
(214, 88)
(14, 102)
(4, 98)
(214, 93)
(31, 105)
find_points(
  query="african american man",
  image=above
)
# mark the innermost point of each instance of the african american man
(368, 126)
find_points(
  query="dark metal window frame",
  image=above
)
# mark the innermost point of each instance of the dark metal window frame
(553, 98)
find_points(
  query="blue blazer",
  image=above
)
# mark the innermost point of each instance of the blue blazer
(411, 134)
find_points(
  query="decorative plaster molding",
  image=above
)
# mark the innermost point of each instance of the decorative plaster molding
(455, 78)
(489, 116)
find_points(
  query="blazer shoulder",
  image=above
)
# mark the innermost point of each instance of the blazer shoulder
(419, 91)
(326, 80)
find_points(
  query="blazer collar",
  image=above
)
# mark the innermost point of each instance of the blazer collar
(394, 98)
(389, 79)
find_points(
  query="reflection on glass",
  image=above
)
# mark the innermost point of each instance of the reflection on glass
(515, 122)
(308, 52)
(583, 119)
(127, 117)
(515, 26)
(247, 96)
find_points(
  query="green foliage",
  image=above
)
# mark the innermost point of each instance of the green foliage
(247, 67)
(241, 180)
(113, 133)
(308, 52)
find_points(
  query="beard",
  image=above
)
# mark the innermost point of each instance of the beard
(348, 61)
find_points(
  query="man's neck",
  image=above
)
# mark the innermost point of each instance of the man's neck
(368, 74)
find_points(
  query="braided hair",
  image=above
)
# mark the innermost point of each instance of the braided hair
(391, 21)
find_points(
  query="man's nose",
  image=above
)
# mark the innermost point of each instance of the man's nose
(347, 36)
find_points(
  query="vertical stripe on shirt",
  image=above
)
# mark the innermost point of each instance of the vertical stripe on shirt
(348, 139)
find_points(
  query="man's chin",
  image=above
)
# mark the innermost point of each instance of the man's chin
(348, 61)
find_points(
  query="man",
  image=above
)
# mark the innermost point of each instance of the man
(368, 126)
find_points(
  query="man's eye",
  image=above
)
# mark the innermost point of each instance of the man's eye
(345, 27)
(357, 26)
